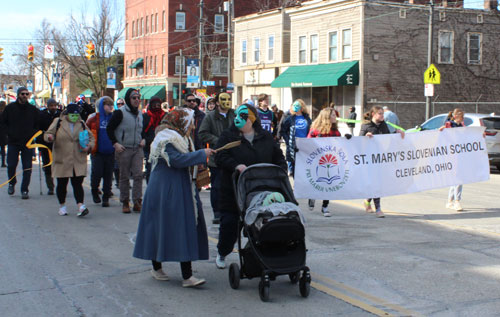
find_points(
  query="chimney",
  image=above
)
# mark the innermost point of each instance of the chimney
(490, 5)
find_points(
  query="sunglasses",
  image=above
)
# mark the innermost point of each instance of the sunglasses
(25, 94)
(191, 100)
(120, 103)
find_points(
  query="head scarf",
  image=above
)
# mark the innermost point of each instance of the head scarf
(178, 120)
(155, 115)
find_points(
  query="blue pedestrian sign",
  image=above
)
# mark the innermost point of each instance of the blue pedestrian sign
(230, 87)
(208, 83)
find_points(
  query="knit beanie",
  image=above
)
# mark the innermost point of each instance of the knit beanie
(73, 108)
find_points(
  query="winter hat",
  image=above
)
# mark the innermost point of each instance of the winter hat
(21, 89)
(155, 100)
(51, 101)
(128, 95)
(73, 108)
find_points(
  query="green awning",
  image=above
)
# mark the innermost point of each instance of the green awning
(321, 75)
(88, 93)
(149, 92)
(138, 62)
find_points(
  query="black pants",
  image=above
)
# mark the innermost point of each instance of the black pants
(102, 168)
(215, 175)
(376, 201)
(228, 232)
(13, 151)
(3, 153)
(48, 169)
(148, 166)
(186, 268)
(76, 183)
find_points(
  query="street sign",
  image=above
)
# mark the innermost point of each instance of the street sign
(432, 75)
(49, 52)
(111, 77)
(429, 90)
(230, 87)
(208, 83)
(29, 85)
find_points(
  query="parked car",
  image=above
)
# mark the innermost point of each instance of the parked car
(490, 121)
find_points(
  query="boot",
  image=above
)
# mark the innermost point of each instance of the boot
(126, 207)
(95, 196)
(138, 205)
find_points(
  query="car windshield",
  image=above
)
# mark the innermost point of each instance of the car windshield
(491, 123)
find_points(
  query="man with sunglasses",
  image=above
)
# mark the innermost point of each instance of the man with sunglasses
(20, 120)
(199, 115)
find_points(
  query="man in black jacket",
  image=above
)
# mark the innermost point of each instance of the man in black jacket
(20, 119)
(46, 117)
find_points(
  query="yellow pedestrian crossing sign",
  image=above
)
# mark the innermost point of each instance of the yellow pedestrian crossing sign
(432, 75)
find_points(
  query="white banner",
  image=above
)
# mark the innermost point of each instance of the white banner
(386, 165)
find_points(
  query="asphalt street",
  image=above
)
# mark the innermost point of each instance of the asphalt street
(421, 260)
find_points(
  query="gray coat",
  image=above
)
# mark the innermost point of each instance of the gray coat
(167, 227)
(211, 128)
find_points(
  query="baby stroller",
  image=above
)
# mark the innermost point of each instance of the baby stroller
(276, 240)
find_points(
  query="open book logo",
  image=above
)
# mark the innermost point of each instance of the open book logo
(328, 169)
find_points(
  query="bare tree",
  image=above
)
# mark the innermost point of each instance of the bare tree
(264, 5)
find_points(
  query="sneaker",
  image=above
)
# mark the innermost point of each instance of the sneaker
(11, 189)
(368, 206)
(450, 205)
(220, 262)
(159, 275)
(24, 195)
(325, 212)
(95, 196)
(379, 214)
(193, 281)
(126, 207)
(82, 211)
(62, 211)
(310, 203)
(457, 206)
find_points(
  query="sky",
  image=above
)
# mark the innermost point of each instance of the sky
(21, 19)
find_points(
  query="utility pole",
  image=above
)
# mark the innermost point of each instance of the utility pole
(200, 43)
(180, 78)
(428, 99)
(229, 25)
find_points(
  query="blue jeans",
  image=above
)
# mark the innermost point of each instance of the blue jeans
(455, 193)
(13, 151)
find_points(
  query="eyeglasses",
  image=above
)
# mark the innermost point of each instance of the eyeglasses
(120, 104)
(25, 94)
(191, 100)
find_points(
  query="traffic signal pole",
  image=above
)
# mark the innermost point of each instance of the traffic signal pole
(428, 100)
(180, 79)
(200, 44)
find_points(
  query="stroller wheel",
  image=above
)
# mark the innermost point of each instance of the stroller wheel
(305, 284)
(294, 277)
(263, 291)
(234, 276)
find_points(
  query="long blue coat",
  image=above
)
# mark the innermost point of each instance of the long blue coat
(167, 228)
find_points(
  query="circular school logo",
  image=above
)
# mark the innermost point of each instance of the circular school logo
(327, 168)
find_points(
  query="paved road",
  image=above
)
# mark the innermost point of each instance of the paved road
(422, 259)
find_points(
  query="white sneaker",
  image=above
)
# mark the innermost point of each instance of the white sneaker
(450, 205)
(379, 214)
(62, 211)
(193, 281)
(82, 211)
(457, 206)
(325, 212)
(159, 275)
(310, 203)
(220, 262)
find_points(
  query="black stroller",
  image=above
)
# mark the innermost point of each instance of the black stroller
(276, 243)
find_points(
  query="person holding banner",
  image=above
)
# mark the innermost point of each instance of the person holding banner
(257, 146)
(295, 126)
(373, 126)
(325, 125)
(455, 193)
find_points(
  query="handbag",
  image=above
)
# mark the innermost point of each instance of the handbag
(202, 178)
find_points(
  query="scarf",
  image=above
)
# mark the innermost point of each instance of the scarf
(155, 118)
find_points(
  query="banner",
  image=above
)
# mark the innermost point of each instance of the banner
(193, 73)
(386, 165)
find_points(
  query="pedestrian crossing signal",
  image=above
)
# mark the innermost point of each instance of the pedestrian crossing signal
(31, 53)
(90, 52)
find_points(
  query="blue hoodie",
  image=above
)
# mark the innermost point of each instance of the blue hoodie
(104, 144)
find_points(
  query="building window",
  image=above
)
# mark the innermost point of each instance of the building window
(156, 22)
(302, 49)
(314, 48)
(219, 23)
(147, 25)
(402, 13)
(163, 21)
(219, 66)
(474, 48)
(244, 52)
(151, 69)
(445, 54)
(256, 51)
(163, 64)
(137, 28)
(332, 46)
(141, 31)
(155, 69)
(145, 65)
(133, 29)
(152, 23)
(178, 66)
(139, 70)
(270, 48)
(180, 20)
(346, 44)
(126, 31)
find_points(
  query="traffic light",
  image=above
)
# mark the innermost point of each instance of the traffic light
(1, 54)
(175, 91)
(31, 53)
(90, 52)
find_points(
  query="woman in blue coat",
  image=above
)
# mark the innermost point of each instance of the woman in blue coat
(172, 227)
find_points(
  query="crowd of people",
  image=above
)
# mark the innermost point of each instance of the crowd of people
(170, 149)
